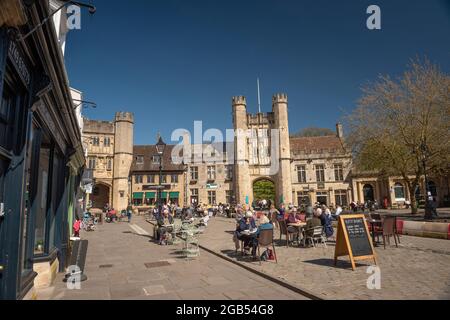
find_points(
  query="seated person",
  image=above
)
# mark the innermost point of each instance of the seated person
(163, 226)
(246, 224)
(293, 217)
(204, 221)
(188, 217)
(264, 224)
(313, 222)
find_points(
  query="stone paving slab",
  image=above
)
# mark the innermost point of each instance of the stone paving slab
(206, 278)
(418, 269)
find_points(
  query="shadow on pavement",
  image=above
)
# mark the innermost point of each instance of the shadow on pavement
(342, 264)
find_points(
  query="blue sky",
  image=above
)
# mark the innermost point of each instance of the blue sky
(172, 62)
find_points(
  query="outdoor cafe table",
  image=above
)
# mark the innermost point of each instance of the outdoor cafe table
(300, 226)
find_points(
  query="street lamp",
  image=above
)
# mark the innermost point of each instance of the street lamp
(160, 147)
(428, 208)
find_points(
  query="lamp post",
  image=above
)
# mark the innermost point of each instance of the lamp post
(160, 147)
(428, 208)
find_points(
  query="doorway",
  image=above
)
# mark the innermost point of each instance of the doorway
(3, 168)
(264, 189)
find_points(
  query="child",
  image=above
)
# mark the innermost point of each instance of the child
(76, 228)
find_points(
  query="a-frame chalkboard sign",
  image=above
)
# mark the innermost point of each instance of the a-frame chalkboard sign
(353, 240)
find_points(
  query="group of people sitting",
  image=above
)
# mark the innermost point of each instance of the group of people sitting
(165, 222)
(248, 229)
(249, 225)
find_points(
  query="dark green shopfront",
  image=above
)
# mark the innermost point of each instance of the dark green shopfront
(41, 156)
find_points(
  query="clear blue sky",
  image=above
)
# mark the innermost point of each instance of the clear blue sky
(173, 62)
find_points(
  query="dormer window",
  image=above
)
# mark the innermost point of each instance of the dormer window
(140, 160)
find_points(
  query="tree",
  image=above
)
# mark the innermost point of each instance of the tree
(400, 124)
(314, 132)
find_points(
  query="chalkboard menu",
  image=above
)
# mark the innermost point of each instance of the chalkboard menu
(353, 240)
(358, 237)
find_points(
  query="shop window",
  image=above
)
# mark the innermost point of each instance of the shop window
(399, 191)
(7, 111)
(139, 179)
(211, 197)
(151, 178)
(42, 197)
(303, 198)
(341, 198)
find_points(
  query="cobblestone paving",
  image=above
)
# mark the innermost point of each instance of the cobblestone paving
(418, 269)
(123, 250)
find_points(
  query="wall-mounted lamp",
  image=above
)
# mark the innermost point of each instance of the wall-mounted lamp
(85, 103)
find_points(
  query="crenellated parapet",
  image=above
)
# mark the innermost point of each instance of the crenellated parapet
(239, 101)
(280, 98)
(124, 117)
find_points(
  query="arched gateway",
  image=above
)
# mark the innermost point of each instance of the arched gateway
(264, 189)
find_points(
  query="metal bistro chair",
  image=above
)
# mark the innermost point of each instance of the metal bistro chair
(317, 235)
(176, 231)
(191, 247)
(265, 240)
(287, 232)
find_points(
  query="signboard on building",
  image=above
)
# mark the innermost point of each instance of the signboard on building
(212, 186)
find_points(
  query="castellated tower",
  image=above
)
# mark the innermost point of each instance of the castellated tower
(242, 172)
(123, 158)
(284, 177)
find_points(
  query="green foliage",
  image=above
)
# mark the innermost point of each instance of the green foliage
(264, 190)
(403, 123)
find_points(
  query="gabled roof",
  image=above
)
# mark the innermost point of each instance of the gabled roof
(317, 145)
(148, 152)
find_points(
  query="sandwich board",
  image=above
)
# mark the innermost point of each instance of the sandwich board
(353, 240)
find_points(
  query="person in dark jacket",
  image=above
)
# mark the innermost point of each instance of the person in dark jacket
(313, 222)
(164, 222)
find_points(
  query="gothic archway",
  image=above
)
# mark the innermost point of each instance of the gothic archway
(264, 189)
(100, 196)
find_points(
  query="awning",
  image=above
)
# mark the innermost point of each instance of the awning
(164, 195)
(150, 195)
(174, 195)
(138, 195)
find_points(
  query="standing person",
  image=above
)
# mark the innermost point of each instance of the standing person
(337, 213)
(77, 227)
(129, 212)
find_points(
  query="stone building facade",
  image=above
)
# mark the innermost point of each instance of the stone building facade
(145, 178)
(109, 157)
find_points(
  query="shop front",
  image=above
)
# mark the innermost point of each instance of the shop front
(40, 159)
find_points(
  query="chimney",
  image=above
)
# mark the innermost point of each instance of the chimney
(340, 131)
